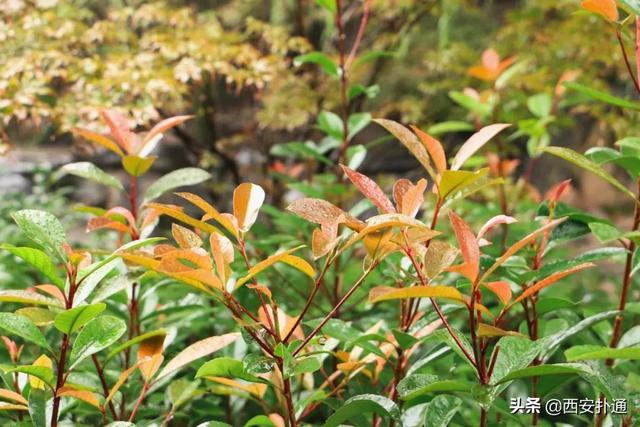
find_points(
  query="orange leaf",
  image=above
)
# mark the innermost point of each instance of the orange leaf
(413, 198)
(185, 238)
(151, 349)
(12, 395)
(468, 246)
(99, 139)
(52, 290)
(434, 147)
(551, 280)
(604, 8)
(370, 189)
(104, 222)
(317, 210)
(247, 201)
(501, 289)
(84, 395)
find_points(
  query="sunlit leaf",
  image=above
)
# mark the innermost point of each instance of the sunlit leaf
(281, 257)
(84, 395)
(210, 212)
(247, 200)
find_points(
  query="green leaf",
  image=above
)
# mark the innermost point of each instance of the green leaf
(226, 367)
(405, 340)
(331, 124)
(90, 281)
(73, 319)
(355, 156)
(318, 58)
(357, 122)
(178, 178)
(584, 163)
(44, 229)
(40, 407)
(594, 352)
(88, 170)
(597, 95)
(553, 341)
(629, 146)
(300, 150)
(542, 370)
(41, 372)
(372, 56)
(134, 341)
(605, 232)
(470, 103)
(306, 365)
(632, 6)
(181, 391)
(364, 404)
(38, 259)
(357, 90)
(39, 316)
(540, 105)
(126, 247)
(26, 297)
(514, 354)
(441, 410)
(601, 155)
(445, 337)
(259, 420)
(330, 5)
(97, 335)
(21, 326)
(418, 385)
(450, 126)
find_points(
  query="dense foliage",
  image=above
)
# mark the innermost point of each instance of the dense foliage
(457, 293)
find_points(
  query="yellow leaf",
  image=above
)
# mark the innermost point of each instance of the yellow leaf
(452, 181)
(210, 211)
(263, 265)
(181, 216)
(257, 390)
(485, 330)
(10, 407)
(604, 8)
(385, 293)
(137, 166)
(299, 264)
(40, 361)
(247, 201)
(12, 395)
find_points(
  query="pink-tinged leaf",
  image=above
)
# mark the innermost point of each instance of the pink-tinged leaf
(468, 247)
(519, 245)
(165, 125)
(490, 59)
(434, 148)
(400, 188)
(196, 351)
(551, 280)
(501, 289)
(124, 212)
(370, 189)
(317, 211)
(476, 142)
(119, 127)
(554, 194)
(492, 223)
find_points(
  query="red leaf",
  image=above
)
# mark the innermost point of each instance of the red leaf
(551, 280)
(469, 248)
(370, 189)
(501, 289)
(554, 194)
